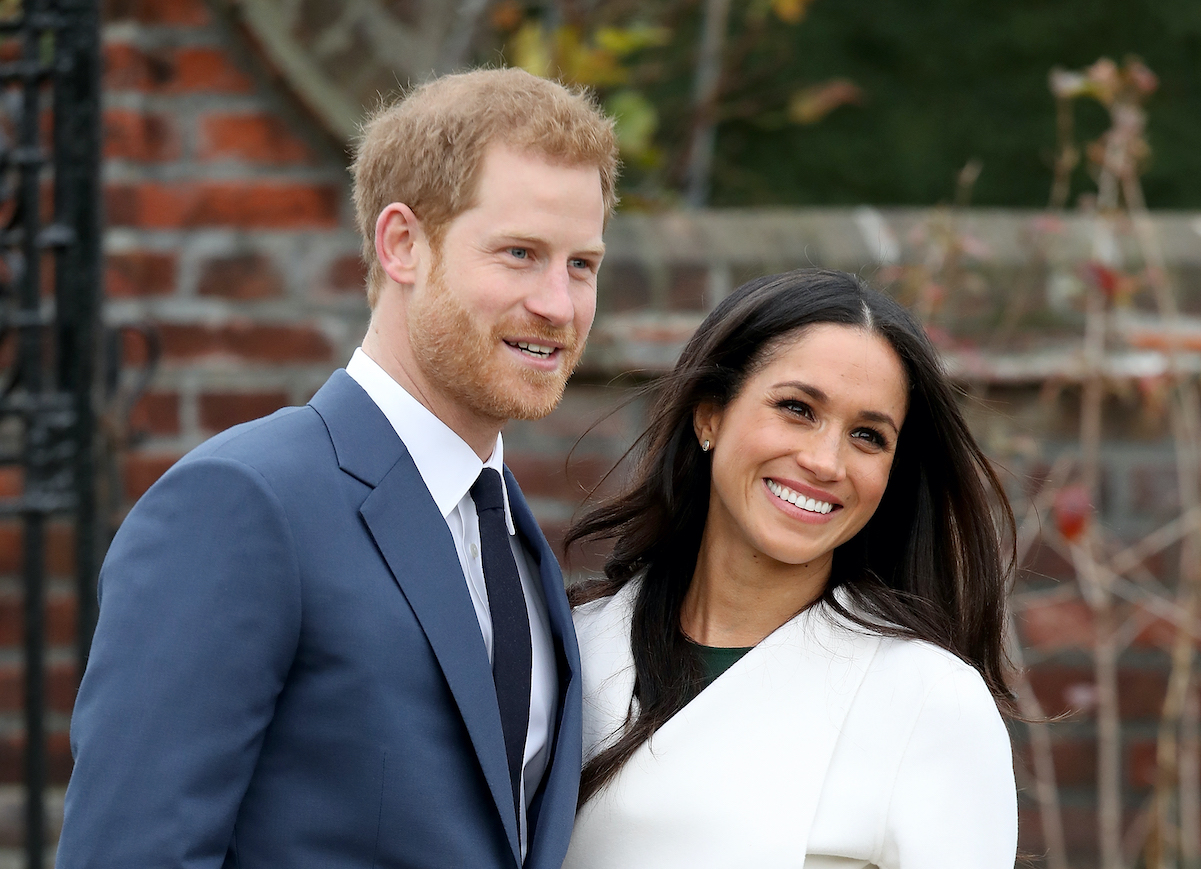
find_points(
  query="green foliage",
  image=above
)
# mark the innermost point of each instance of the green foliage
(828, 102)
(946, 81)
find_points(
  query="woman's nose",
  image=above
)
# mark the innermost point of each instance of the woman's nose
(822, 457)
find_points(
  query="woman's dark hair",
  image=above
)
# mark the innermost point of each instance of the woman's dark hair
(928, 564)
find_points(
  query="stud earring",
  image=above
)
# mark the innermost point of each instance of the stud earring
(705, 445)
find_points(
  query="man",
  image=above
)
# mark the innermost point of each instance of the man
(334, 637)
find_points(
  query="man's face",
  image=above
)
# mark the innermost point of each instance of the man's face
(500, 320)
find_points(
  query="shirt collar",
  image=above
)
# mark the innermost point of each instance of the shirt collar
(448, 466)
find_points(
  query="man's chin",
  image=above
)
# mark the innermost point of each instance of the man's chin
(533, 400)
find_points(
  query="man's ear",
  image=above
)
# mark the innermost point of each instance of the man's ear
(399, 242)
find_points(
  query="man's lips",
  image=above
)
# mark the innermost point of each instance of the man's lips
(536, 349)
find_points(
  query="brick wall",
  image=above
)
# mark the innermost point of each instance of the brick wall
(230, 234)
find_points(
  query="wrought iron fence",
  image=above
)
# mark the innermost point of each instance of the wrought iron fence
(50, 292)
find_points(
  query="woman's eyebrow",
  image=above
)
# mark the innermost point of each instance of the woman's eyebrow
(820, 396)
(876, 416)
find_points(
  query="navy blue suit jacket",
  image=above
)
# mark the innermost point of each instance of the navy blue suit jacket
(288, 671)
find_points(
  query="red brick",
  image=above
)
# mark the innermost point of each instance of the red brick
(247, 205)
(61, 686)
(1064, 624)
(1079, 828)
(172, 70)
(246, 340)
(347, 274)
(1069, 689)
(255, 138)
(221, 410)
(689, 285)
(128, 68)
(12, 482)
(60, 619)
(1142, 764)
(156, 413)
(58, 758)
(1158, 634)
(60, 549)
(210, 70)
(46, 270)
(1075, 762)
(143, 137)
(59, 552)
(142, 470)
(246, 276)
(552, 476)
(1044, 562)
(139, 273)
(180, 13)
(10, 547)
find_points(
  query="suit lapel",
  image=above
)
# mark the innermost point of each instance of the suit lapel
(413, 538)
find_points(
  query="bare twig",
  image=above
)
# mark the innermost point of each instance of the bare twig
(704, 101)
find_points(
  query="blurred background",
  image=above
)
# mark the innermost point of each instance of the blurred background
(178, 256)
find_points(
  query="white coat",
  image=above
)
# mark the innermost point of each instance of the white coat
(825, 747)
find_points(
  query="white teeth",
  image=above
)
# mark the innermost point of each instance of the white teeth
(786, 494)
(536, 349)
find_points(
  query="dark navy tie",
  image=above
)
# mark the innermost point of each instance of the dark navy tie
(511, 650)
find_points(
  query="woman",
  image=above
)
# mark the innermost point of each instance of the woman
(795, 657)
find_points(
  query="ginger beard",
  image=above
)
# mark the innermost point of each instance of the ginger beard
(469, 362)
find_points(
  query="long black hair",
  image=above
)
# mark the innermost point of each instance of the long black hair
(927, 565)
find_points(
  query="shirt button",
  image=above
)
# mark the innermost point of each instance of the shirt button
(475, 551)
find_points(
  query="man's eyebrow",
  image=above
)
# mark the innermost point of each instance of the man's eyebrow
(597, 250)
(818, 395)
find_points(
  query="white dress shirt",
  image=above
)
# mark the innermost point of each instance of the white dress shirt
(449, 467)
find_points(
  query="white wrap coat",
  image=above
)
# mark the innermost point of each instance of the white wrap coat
(825, 747)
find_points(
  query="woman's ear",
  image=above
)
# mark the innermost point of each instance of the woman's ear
(706, 420)
(399, 243)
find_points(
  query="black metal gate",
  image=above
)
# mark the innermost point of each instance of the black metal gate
(50, 291)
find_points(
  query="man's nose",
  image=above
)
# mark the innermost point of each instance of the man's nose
(551, 299)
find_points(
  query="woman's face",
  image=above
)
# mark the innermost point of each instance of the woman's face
(802, 454)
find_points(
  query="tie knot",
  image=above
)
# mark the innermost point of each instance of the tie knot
(487, 492)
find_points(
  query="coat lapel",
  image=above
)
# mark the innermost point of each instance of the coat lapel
(411, 534)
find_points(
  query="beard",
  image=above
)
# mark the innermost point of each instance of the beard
(467, 361)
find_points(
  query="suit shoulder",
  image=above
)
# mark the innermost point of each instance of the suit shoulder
(290, 439)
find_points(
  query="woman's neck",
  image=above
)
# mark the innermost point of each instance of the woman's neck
(735, 601)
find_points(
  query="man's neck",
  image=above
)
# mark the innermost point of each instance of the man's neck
(479, 434)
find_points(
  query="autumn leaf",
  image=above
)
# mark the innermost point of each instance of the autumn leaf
(506, 16)
(530, 50)
(623, 41)
(790, 11)
(1073, 510)
(635, 121)
(1102, 277)
(809, 105)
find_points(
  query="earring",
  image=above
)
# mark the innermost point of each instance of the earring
(705, 445)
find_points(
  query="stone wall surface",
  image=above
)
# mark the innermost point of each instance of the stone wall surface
(230, 242)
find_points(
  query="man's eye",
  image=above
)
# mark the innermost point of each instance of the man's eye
(519, 252)
(578, 263)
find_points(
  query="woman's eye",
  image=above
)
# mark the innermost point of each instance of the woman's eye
(798, 408)
(871, 436)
